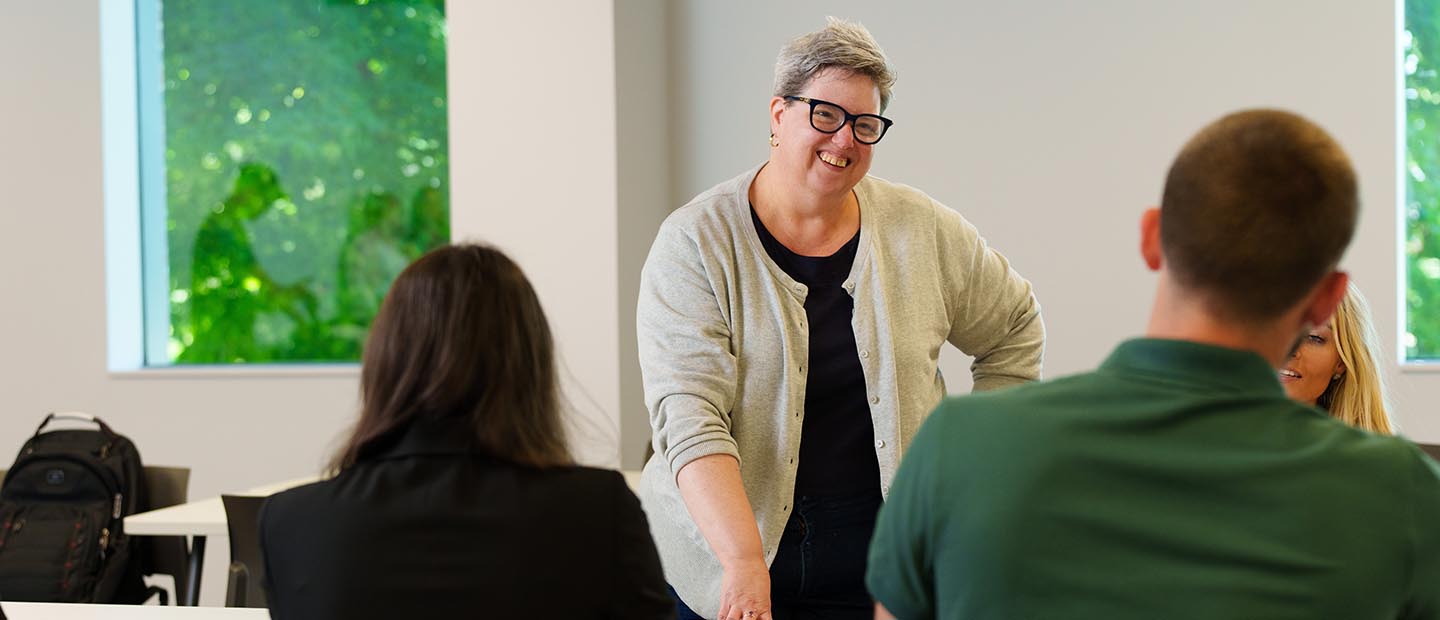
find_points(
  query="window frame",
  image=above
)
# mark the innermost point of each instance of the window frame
(1402, 232)
(135, 210)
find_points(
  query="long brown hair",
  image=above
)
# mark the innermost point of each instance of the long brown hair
(461, 335)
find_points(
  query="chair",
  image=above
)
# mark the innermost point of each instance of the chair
(166, 555)
(1431, 449)
(246, 585)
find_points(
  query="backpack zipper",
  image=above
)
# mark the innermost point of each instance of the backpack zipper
(104, 475)
(12, 525)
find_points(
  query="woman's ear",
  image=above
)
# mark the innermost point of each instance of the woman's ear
(777, 109)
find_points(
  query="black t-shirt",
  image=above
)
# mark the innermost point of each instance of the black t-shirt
(837, 452)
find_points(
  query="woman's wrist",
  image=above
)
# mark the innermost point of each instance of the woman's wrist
(742, 562)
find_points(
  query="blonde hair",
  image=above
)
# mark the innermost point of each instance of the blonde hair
(1358, 397)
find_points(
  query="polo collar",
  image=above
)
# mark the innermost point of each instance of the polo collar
(1205, 366)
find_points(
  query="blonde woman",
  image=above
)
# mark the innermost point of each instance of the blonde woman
(1334, 368)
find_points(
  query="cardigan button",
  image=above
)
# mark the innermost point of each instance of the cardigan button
(879, 443)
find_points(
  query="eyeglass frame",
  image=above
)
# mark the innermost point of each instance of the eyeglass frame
(849, 118)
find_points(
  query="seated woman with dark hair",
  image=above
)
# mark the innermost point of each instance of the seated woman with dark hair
(455, 495)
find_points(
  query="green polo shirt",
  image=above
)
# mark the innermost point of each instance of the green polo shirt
(1176, 481)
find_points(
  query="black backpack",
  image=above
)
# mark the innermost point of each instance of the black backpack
(61, 506)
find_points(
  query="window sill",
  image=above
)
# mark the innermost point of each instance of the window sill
(279, 371)
(1420, 367)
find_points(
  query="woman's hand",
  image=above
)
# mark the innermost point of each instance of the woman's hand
(716, 499)
(745, 591)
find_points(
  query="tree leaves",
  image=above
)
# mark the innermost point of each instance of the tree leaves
(326, 111)
(1421, 54)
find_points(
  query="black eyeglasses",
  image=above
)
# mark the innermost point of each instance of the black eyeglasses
(827, 117)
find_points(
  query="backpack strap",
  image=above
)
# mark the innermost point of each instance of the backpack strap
(78, 417)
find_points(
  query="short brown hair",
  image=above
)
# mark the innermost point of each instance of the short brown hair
(461, 335)
(1258, 207)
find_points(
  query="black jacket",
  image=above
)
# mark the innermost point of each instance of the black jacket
(426, 528)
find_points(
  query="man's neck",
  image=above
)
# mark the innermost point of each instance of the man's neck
(1178, 316)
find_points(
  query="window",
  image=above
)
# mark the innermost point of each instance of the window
(292, 160)
(1420, 55)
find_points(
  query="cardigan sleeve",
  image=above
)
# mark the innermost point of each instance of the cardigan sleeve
(994, 316)
(686, 363)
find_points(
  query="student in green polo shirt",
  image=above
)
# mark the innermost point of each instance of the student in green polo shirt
(1177, 480)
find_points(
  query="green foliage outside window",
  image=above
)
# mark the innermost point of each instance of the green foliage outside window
(306, 163)
(1421, 57)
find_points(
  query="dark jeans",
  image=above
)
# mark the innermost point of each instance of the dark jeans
(819, 569)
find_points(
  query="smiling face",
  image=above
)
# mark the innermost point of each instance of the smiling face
(827, 165)
(1312, 367)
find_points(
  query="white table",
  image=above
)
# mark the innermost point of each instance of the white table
(203, 518)
(75, 611)
(198, 520)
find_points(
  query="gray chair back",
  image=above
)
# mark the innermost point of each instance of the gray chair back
(167, 555)
(246, 584)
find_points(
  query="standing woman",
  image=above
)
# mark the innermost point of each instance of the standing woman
(1334, 368)
(455, 495)
(790, 323)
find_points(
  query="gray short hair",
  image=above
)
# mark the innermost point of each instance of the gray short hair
(841, 45)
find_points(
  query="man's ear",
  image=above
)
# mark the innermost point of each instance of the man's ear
(1150, 238)
(1326, 297)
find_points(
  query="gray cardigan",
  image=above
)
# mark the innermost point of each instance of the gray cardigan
(723, 346)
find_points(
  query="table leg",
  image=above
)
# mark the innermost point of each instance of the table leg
(191, 597)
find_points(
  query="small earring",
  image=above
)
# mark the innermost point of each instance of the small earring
(773, 141)
(1335, 377)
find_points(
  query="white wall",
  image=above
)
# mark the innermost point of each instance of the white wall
(643, 96)
(535, 177)
(1050, 126)
(237, 431)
